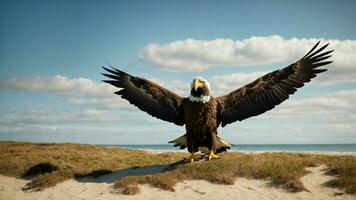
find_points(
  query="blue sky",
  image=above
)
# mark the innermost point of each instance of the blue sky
(51, 53)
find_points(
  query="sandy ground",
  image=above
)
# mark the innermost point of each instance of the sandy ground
(101, 188)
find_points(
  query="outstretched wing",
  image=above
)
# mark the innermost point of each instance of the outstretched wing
(271, 89)
(147, 96)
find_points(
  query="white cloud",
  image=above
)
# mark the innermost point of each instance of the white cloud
(222, 85)
(78, 91)
(335, 75)
(197, 55)
(27, 117)
(58, 84)
(179, 87)
(339, 103)
(36, 116)
(98, 102)
(192, 54)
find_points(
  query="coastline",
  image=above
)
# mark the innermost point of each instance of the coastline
(331, 153)
(254, 148)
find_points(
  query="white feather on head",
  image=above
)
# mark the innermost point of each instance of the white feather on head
(204, 81)
(202, 98)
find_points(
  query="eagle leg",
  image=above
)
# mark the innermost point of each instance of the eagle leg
(213, 156)
(192, 157)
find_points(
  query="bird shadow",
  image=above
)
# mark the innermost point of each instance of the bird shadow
(108, 176)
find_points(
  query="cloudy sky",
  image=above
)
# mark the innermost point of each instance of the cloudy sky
(51, 53)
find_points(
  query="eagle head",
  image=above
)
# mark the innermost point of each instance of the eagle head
(199, 87)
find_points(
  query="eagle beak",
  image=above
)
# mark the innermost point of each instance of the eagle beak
(197, 84)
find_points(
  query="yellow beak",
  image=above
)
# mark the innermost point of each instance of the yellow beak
(197, 84)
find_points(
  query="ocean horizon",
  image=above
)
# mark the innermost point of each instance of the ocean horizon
(339, 149)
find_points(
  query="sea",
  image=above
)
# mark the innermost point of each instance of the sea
(332, 149)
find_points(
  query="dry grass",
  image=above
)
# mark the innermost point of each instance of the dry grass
(281, 168)
(131, 190)
(345, 169)
(49, 164)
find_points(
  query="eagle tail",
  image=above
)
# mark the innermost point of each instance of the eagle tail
(222, 145)
(181, 142)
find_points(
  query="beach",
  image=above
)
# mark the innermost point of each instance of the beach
(31, 171)
(245, 189)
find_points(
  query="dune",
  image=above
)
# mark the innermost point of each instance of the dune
(102, 188)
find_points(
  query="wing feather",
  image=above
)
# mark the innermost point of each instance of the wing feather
(147, 96)
(271, 89)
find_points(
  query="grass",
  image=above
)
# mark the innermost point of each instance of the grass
(282, 169)
(345, 169)
(50, 164)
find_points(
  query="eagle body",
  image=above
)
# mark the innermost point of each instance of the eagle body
(202, 114)
(200, 124)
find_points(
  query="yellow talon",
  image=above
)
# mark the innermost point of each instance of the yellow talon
(192, 157)
(213, 156)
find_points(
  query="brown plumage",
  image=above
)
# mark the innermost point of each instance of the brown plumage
(202, 114)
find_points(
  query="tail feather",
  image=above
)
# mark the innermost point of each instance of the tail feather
(222, 145)
(181, 141)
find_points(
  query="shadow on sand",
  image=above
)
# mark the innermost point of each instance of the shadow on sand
(107, 176)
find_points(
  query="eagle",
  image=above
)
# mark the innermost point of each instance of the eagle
(202, 113)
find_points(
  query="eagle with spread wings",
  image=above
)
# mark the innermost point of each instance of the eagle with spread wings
(202, 113)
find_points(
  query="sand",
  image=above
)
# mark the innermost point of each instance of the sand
(244, 189)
